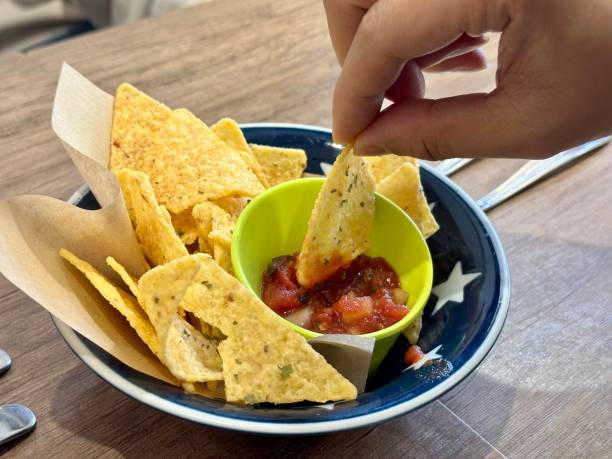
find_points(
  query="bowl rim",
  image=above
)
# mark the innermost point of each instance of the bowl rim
(117, 380)
(392, 330)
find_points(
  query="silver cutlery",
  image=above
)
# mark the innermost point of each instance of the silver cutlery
(5, 362)
(452, 165)
(535, 170)
(15, 421)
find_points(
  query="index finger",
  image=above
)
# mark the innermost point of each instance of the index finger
(343, 18)
(392, 33)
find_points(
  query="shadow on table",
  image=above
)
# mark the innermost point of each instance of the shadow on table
(99, 414)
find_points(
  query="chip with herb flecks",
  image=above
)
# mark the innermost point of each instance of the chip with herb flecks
(341, 221)
(264, 359)
(280, 164)
(192, 165)
(188, 354)
(403, 187)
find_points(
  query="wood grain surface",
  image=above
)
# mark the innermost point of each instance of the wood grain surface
(544, 391)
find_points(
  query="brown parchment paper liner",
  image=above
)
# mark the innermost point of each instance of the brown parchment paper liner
(34, 228)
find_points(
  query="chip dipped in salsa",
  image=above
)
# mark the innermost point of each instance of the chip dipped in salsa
(361, 298)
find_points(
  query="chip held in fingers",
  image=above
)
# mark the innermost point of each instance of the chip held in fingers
(341, 221)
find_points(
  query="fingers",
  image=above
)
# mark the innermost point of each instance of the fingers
(343, 18)
(391, 33)
(475, 125)
(462, 45)
(460, 55)
(472, 61)
(410, 84)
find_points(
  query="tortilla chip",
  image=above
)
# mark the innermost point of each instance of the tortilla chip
(413, 331)
(229, 131)
(185, 226)
(202, 215)
(233, 206)
(264, 360)
(119, 299)
(223, 256)
(136, 118)
(280, 164)
(383, 166)
(194, 165)
(151, 222)
(403, 187)
(188, 354)
(220, 237)
(126, 277)
(222, 227)
(209, 389)
(186, 161)
(341, 221)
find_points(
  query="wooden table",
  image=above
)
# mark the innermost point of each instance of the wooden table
(545, 390)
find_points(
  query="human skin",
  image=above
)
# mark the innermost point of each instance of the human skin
(553, 82)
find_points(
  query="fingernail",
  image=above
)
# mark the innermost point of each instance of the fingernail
(369, 150)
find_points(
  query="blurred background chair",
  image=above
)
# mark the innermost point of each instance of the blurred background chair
(29, 24)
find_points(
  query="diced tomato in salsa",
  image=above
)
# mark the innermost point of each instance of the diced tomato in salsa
(355, 300)
(282, 295)
(413, 354)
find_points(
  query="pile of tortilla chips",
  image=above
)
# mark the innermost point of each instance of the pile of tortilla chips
(184, 186)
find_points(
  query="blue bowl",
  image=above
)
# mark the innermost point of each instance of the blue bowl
(464, 316)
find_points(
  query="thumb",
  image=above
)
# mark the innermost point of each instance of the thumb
(473, 125)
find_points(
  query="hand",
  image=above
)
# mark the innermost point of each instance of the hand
(554, 76)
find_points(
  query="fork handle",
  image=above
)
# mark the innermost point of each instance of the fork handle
(452, 165)
(535, 170)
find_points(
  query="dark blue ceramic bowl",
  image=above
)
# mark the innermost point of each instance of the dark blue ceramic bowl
(464, 316)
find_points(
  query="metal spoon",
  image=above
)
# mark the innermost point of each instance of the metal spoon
(15, 421)
(5, 362)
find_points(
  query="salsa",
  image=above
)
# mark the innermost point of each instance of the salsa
(361, 298)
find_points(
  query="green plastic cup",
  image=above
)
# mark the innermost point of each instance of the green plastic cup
(275, 222)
